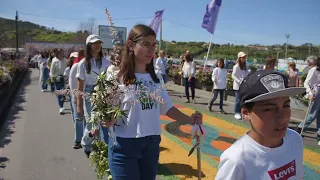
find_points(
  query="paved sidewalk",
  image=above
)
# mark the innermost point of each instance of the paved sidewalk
(36, 142)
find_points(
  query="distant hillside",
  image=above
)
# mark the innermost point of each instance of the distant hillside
(29, 32)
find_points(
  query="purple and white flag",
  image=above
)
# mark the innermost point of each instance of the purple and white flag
(211, 16)
(156, 21)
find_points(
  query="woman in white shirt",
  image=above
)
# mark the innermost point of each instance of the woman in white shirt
(189, 70)
(239, 72)
(58, 65)
(312, 85)
(219, 79)
(87, 72)
(161, 66)
(72, 83)
(136, 154)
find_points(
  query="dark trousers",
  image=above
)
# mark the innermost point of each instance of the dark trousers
(190, 84)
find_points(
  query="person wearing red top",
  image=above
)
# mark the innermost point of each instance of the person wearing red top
(80, 56)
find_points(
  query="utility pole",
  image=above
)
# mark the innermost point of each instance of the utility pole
(278, 52)
(309, 49)
(287, 36)
(17, 38)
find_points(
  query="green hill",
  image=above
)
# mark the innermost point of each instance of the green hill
(29, 32)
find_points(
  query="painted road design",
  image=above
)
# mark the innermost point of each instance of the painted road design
(220, 134)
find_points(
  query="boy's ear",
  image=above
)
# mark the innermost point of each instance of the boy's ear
(245, 113)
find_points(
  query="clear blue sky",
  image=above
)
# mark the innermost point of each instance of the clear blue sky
(240, 21)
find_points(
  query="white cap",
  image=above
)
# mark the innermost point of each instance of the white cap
(92, 39)
(241, 54)
(74, 54)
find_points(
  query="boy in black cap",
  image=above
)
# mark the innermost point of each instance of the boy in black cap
(269, 150)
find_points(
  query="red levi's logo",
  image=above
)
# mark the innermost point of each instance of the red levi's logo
(284, 172)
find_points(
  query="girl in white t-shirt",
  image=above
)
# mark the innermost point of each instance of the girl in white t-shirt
(189, 71)
(58, 65)
(136, 154)
(87, 72)
(239, 72)
(219, 79)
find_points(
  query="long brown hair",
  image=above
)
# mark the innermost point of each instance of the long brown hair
(127, 66)
(89, 56)
(222, 61)
(242, 66)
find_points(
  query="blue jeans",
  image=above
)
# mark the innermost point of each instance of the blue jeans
(78, 122)
(44, 85)
(190, 84)
(86, 141)
(237, 106)
(313, 114)
(134, 158)
(59, 86)
(215, 95)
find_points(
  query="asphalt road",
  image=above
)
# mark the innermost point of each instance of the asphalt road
(203, 97)
(36, 142)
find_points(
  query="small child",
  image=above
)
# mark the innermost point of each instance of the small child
(269, 151)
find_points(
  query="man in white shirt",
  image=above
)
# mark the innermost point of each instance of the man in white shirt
(312, 85)
(269, 151)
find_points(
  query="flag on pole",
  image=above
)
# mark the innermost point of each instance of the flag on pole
(211, 16)
(155, 23)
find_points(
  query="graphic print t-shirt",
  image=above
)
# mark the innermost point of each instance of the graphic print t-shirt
(248, 160)
(143, 115)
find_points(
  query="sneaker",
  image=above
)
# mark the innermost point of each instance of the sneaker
(210, 108)
(319, 142)
(222, 111)
(87, 153)
(61, 111)
(194, 101)
(237, 116)
(188, 101)
(77, 145)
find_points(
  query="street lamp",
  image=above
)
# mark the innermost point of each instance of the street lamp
(287, 36)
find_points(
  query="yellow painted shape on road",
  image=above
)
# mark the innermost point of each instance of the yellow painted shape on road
(176, 159)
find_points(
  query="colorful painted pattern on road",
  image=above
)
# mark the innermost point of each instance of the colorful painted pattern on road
(176, 143)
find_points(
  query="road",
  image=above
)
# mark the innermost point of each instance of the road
(36, 142)
(202, 98)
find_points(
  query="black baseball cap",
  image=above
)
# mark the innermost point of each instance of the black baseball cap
(266, 84)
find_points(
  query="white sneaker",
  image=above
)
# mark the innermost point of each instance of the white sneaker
(237, 116)
(319, 142)
(61, 110)
(42, 90)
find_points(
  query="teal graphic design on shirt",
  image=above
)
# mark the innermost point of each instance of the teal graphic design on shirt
(144, 89)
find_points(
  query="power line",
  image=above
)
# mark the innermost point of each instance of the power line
(179, 24)
(76, 19)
